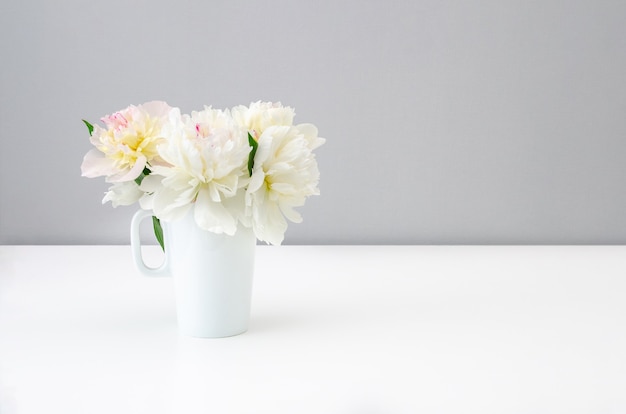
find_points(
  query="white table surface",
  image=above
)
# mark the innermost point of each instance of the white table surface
(352, 329)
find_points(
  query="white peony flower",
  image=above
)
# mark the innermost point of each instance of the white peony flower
(123, 194)
(207, 157)
(285, 173)
(200, 162)
(259, 116)
(128, 143)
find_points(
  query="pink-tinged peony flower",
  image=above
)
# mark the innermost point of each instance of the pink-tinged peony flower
(207, 156)
(285, 173)
(128, 144)
(259, 116)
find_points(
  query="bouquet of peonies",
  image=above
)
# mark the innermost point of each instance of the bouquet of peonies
(245, 166)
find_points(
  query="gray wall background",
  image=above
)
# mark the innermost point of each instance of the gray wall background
(447, 122)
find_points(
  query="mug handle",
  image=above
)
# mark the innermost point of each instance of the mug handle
(135, 244)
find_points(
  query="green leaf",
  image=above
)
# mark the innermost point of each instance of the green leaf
(89, 127)
(158, 231)
(254, 146)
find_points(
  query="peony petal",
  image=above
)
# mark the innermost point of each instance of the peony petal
(284, 188)
(167, 203)
(123, 194)
(310, 134)
(274, 225)
(212, 216)
(129, 175)
(213, 193)
(236, 205)
(264, 150)
(257, 180)
(291, 214)
(96, 135)
(227, 185)
(95, 164)
(151, 183)
(156, 108)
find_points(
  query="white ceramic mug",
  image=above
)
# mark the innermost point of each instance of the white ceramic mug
(212, 275)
